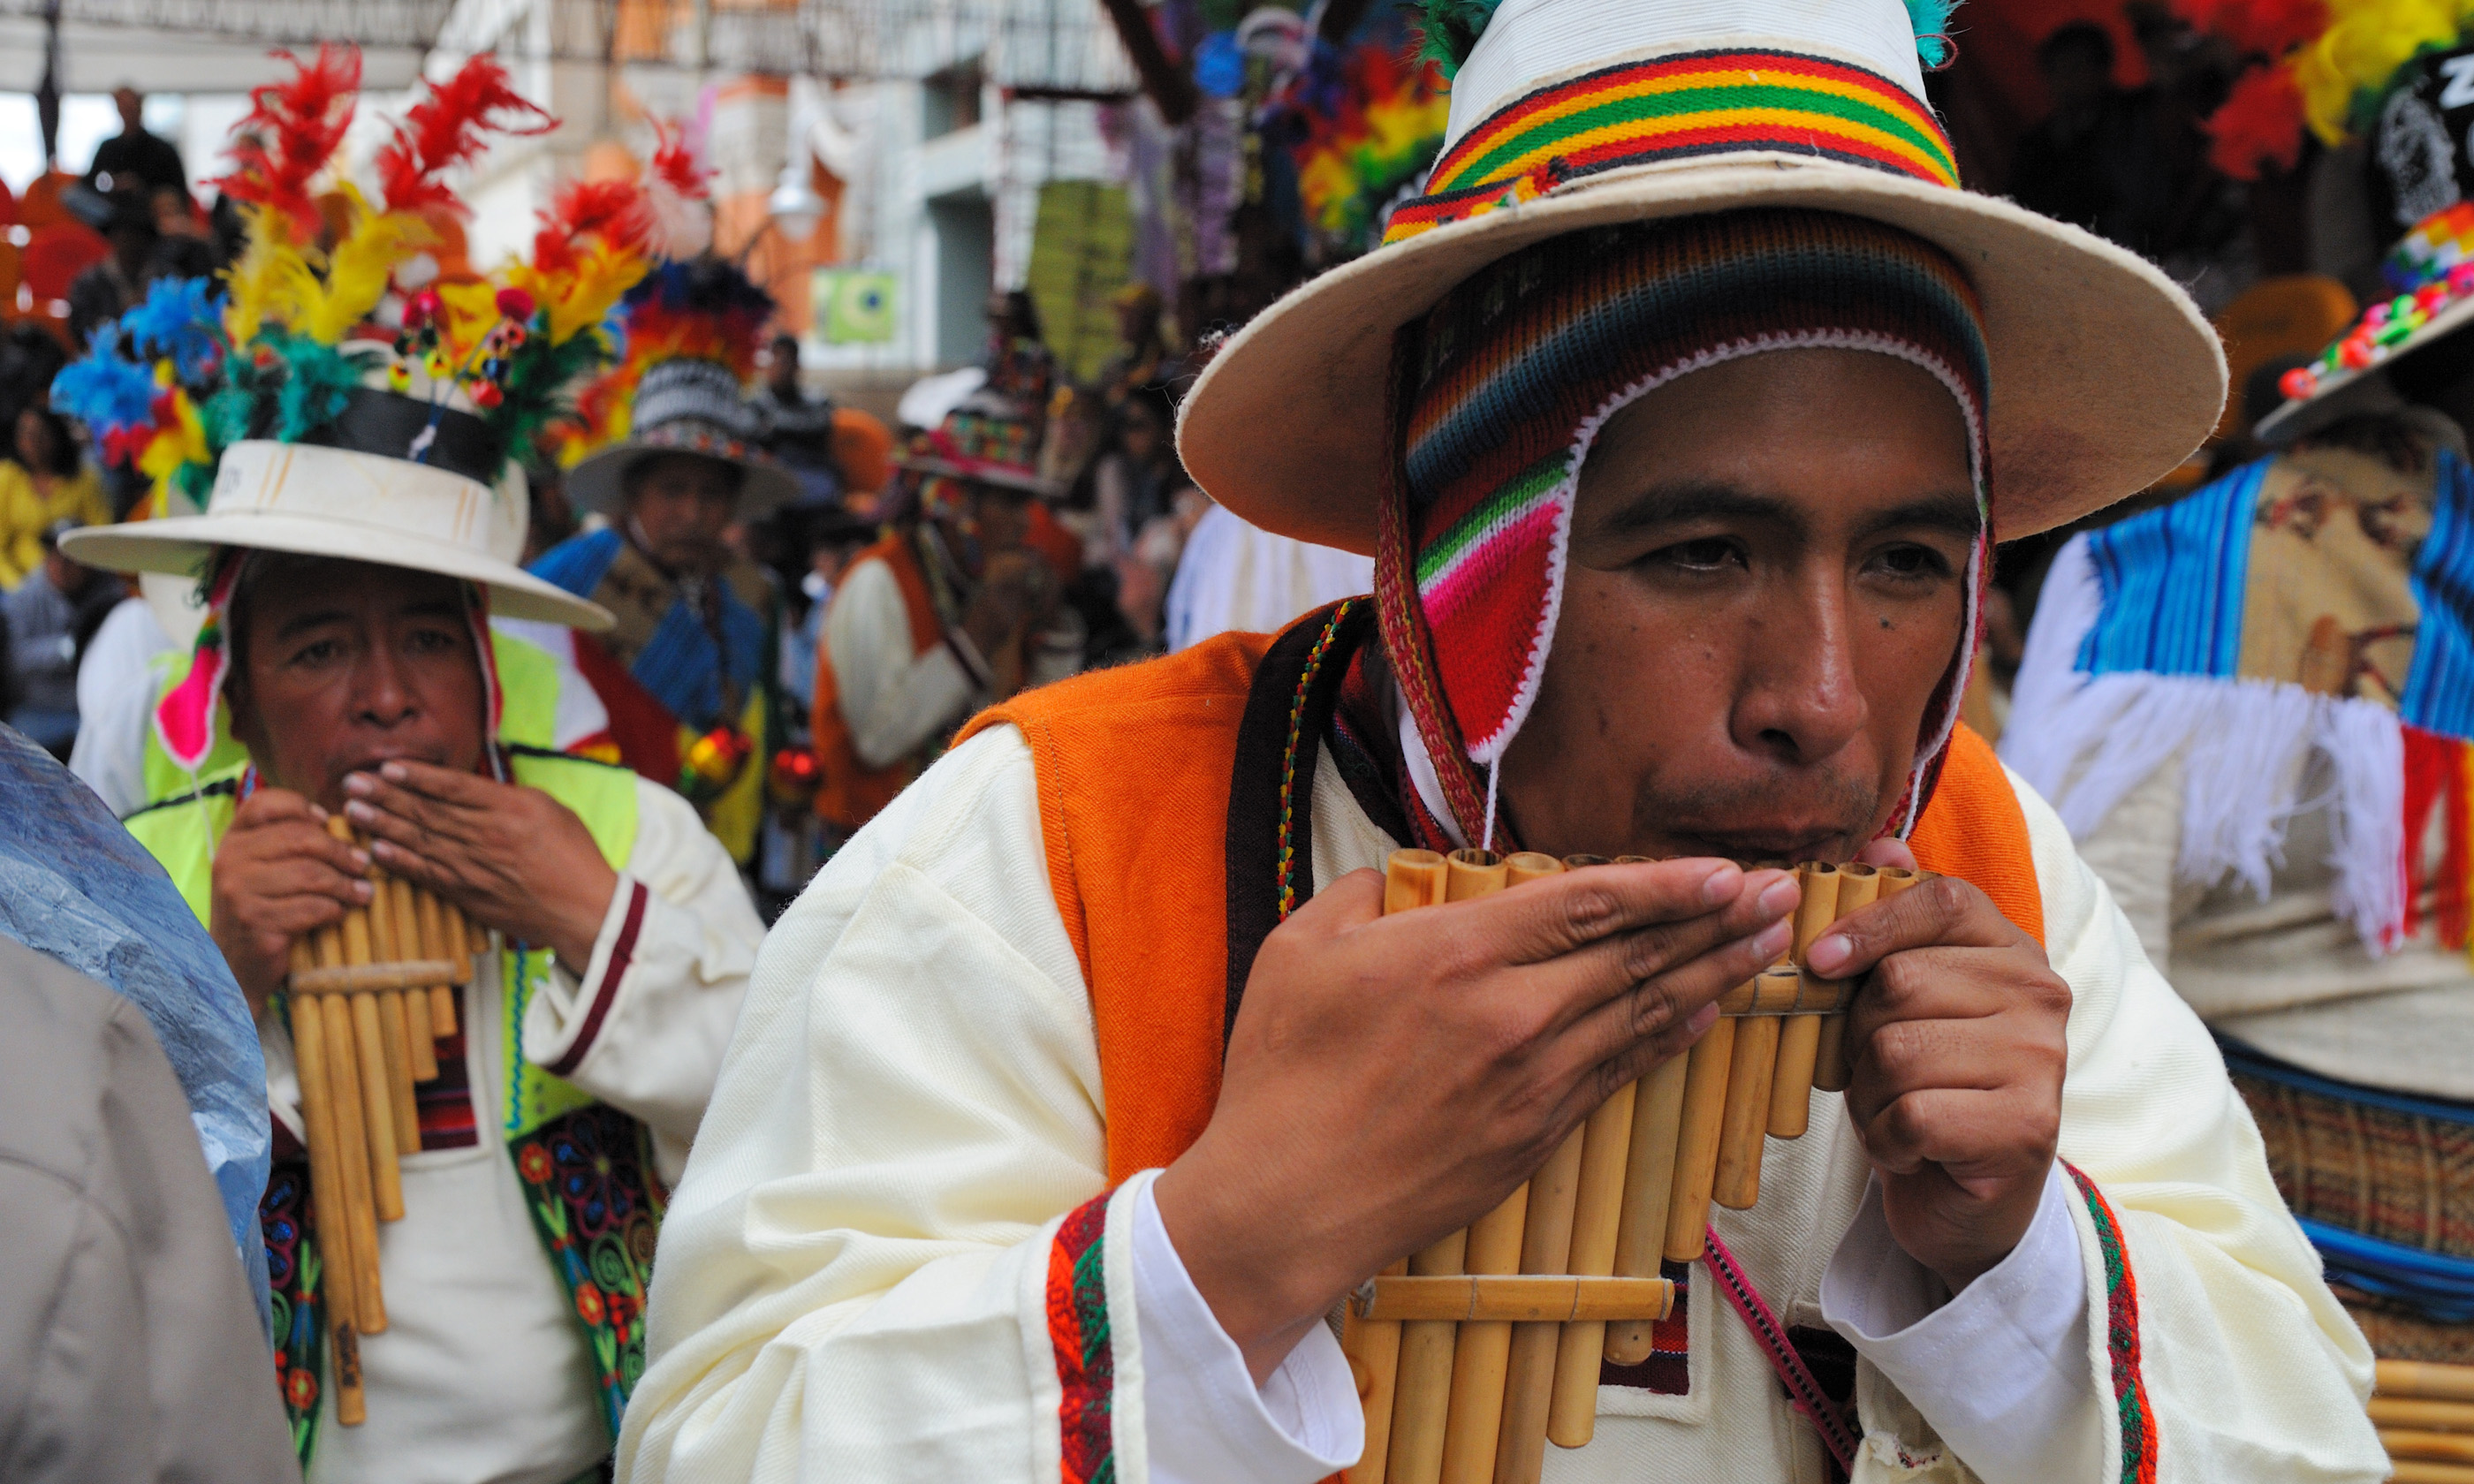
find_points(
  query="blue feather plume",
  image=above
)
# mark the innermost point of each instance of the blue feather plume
(1931, 21)
(177, 320)
(105, 389)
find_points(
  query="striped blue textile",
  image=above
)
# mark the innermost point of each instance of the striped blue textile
(2172, 579)
(2439, 1286)
(2439, 690)
(679, 665)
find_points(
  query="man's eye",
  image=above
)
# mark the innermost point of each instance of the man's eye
(1909, 561)
(433, 641)
(317, 654)
(1709, 554)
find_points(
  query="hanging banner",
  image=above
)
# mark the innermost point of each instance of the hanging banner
(1082, 254)
(852, 306)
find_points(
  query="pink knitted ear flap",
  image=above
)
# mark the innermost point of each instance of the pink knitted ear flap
(184, 719)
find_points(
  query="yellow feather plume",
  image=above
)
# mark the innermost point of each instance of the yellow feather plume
(270, 281)
(184, 443)
(2365, 42)
(360, 266)
(581, 298)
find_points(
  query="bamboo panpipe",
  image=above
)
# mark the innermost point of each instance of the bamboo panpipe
(2417, 1412)
(1476, 1344)
(366, 1005)
(2424, 1379)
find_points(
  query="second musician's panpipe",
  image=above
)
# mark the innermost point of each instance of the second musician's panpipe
(370, 997)
(1473, 1354)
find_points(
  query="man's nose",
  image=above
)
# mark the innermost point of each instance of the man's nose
(385, 693)
(1802, 700)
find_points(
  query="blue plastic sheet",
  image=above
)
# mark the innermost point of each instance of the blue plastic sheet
(74, 886)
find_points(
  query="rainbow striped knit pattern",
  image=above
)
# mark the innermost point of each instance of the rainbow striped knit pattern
(1508, 381)
(1694, 104)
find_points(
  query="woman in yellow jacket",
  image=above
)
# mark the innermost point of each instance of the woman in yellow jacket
(42, 480)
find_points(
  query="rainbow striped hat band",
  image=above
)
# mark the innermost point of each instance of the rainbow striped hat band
(1693, 105)
(1504, 385)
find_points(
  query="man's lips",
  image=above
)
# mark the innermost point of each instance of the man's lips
(1789, 843)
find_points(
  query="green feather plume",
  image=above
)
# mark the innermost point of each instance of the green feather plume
(1453, 28)
(1931, 21)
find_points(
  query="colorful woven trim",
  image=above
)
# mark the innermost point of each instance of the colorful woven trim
(1696, 105)
(1509, 379)
(1297, 747)
(2121, 1336)
(597, 1206)
(293, 1271)
(1078, 1330)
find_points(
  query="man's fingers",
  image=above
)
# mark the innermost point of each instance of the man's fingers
(446, 784)
(1888, 852)
(1723, 949)
(296, 915)
(273, 806)
(1943, 911)
(1638, 1055)
(1568, 912)
(1971, 1134)
(1355, 899)
(374, 800)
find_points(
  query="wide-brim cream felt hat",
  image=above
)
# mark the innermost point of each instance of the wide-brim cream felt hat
(324, 501)
(1569, 115)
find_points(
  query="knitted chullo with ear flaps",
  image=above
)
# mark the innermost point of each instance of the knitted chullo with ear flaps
(1504, 386)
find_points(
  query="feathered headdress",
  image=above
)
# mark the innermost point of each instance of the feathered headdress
(705, 309)
(2323, 64)
(290, 350)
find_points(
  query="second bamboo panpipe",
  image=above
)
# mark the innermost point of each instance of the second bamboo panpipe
(370, 996)
(1563, 1274)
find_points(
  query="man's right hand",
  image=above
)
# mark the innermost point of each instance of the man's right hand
(1389, 1080)
(277, 874)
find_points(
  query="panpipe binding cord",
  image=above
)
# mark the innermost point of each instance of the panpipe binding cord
(1494, 780)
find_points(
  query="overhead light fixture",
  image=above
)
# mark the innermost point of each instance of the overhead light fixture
(794, 205)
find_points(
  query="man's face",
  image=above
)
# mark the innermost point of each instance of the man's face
(133, 108)
(680, 505)
(346, 665)
(1766, 581)
(784, 370)
(130, 247)
(66, 577)
(1000, 519)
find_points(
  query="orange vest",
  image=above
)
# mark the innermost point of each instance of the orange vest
(849, 793)
(1134, 766)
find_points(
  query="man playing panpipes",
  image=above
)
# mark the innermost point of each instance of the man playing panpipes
(1681, 413)
(356, 540)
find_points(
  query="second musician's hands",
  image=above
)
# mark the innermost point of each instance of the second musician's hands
(1958, 1041)
(1390, 1079)
(512, 857)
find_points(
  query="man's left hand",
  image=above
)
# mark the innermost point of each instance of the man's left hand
(513, 858)
(1958, 1038)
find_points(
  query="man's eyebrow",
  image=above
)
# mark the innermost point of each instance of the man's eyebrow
(1950, 510)
(430, 607)
(1663, 503)
(316, 619)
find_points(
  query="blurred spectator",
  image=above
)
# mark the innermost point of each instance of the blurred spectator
(1143, 356)
(1020, 368)
(553, 516)
(108, 289)
(2095, 160)
(1238, 577)
(1137, 477)
(134, 159)
(42, 480)
(802, 436)
(116, 703)
(30, 357)
(51, 616)
(831, 536)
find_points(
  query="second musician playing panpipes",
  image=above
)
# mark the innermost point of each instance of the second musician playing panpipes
(370, 997)
(1474, 1353)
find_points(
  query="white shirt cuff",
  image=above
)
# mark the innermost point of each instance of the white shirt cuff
(1205, 1420)
(2002, 1370)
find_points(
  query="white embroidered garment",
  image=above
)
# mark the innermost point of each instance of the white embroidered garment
(483, 1374)
(856, 1275)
